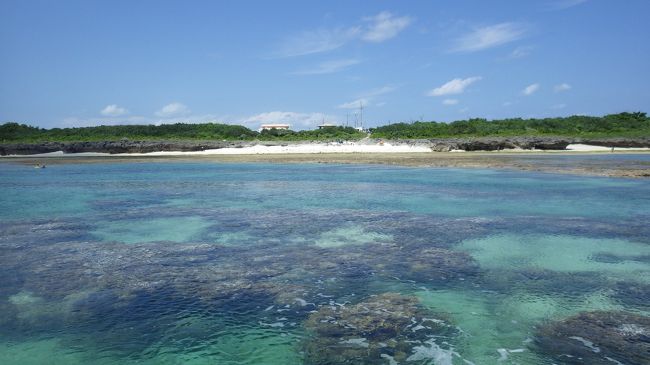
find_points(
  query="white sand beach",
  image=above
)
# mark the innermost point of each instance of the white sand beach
(328, 148)
(590, 148)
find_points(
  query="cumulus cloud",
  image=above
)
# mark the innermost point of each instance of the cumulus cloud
(488, 37)
(173, 110)
(113, 110)
(384, 26)
(296, 120)
(530, 89)
(562, 87)
(455, 86)
(328, 67)
(450, 101)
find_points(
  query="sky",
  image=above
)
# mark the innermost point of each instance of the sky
(84, 63)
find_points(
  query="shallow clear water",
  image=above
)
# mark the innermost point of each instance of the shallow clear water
(206, 263)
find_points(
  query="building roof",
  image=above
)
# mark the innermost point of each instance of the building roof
(275, 126)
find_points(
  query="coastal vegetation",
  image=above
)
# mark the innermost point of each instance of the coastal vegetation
(613, 125)
(326, 133)
(15, 132)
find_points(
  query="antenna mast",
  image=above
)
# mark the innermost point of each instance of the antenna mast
(361, 113)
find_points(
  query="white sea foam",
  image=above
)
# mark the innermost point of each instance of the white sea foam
(391, 360)
(431, 351)
(361, 342)
(587, 343)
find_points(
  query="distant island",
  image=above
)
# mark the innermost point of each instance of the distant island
(615, 130)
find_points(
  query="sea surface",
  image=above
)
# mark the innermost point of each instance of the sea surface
(214, 263)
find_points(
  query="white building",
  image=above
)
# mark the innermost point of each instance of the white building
(273, 126)
(326, 125)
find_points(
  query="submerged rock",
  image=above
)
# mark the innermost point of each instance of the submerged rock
(633, 293)
(426, 264)
(385, 327)
(543, 281)
(597, 338)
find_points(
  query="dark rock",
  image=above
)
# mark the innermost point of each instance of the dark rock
(616, 142)
(633, 293)
(370, 332)
(597, 338)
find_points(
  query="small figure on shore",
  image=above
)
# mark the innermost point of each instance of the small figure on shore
(612, 148)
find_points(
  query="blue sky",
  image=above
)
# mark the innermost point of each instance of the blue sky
(80, 63)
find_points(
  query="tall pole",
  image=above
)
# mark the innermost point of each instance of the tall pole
(361, 113)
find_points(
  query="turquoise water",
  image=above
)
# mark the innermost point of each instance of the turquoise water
(208, 263)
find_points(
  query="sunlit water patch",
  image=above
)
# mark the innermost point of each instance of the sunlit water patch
(178, 229)
(201, 263)
(615, 258)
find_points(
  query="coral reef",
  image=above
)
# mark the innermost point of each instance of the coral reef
(597, 338)
(387, 326)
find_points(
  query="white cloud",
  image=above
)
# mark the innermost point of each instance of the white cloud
(367, 97)
(296, 120)
(450, 101)
(564, 4)
(455, 86)
(530, 89)
(173, 110)
(354, 104)
(562, 87)
(558, 106)
(375, 29)
(488, 37)
(379, 91)
(520, 52)
(113, 111)
(328, 67)
(384, 26)
(318, 41)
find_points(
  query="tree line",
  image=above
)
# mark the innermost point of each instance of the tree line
(15, 132)
(613, 125)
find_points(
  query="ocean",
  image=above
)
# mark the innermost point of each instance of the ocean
(217, 263)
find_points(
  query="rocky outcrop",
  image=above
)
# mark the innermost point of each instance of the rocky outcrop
(616, 142)
(597, 338)
(387, 328)
(122, 146)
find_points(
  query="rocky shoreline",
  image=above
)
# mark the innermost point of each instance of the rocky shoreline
(436, 145)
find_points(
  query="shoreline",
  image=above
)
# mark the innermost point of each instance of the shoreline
(592, 163)
(329, 148)
(365, 145)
